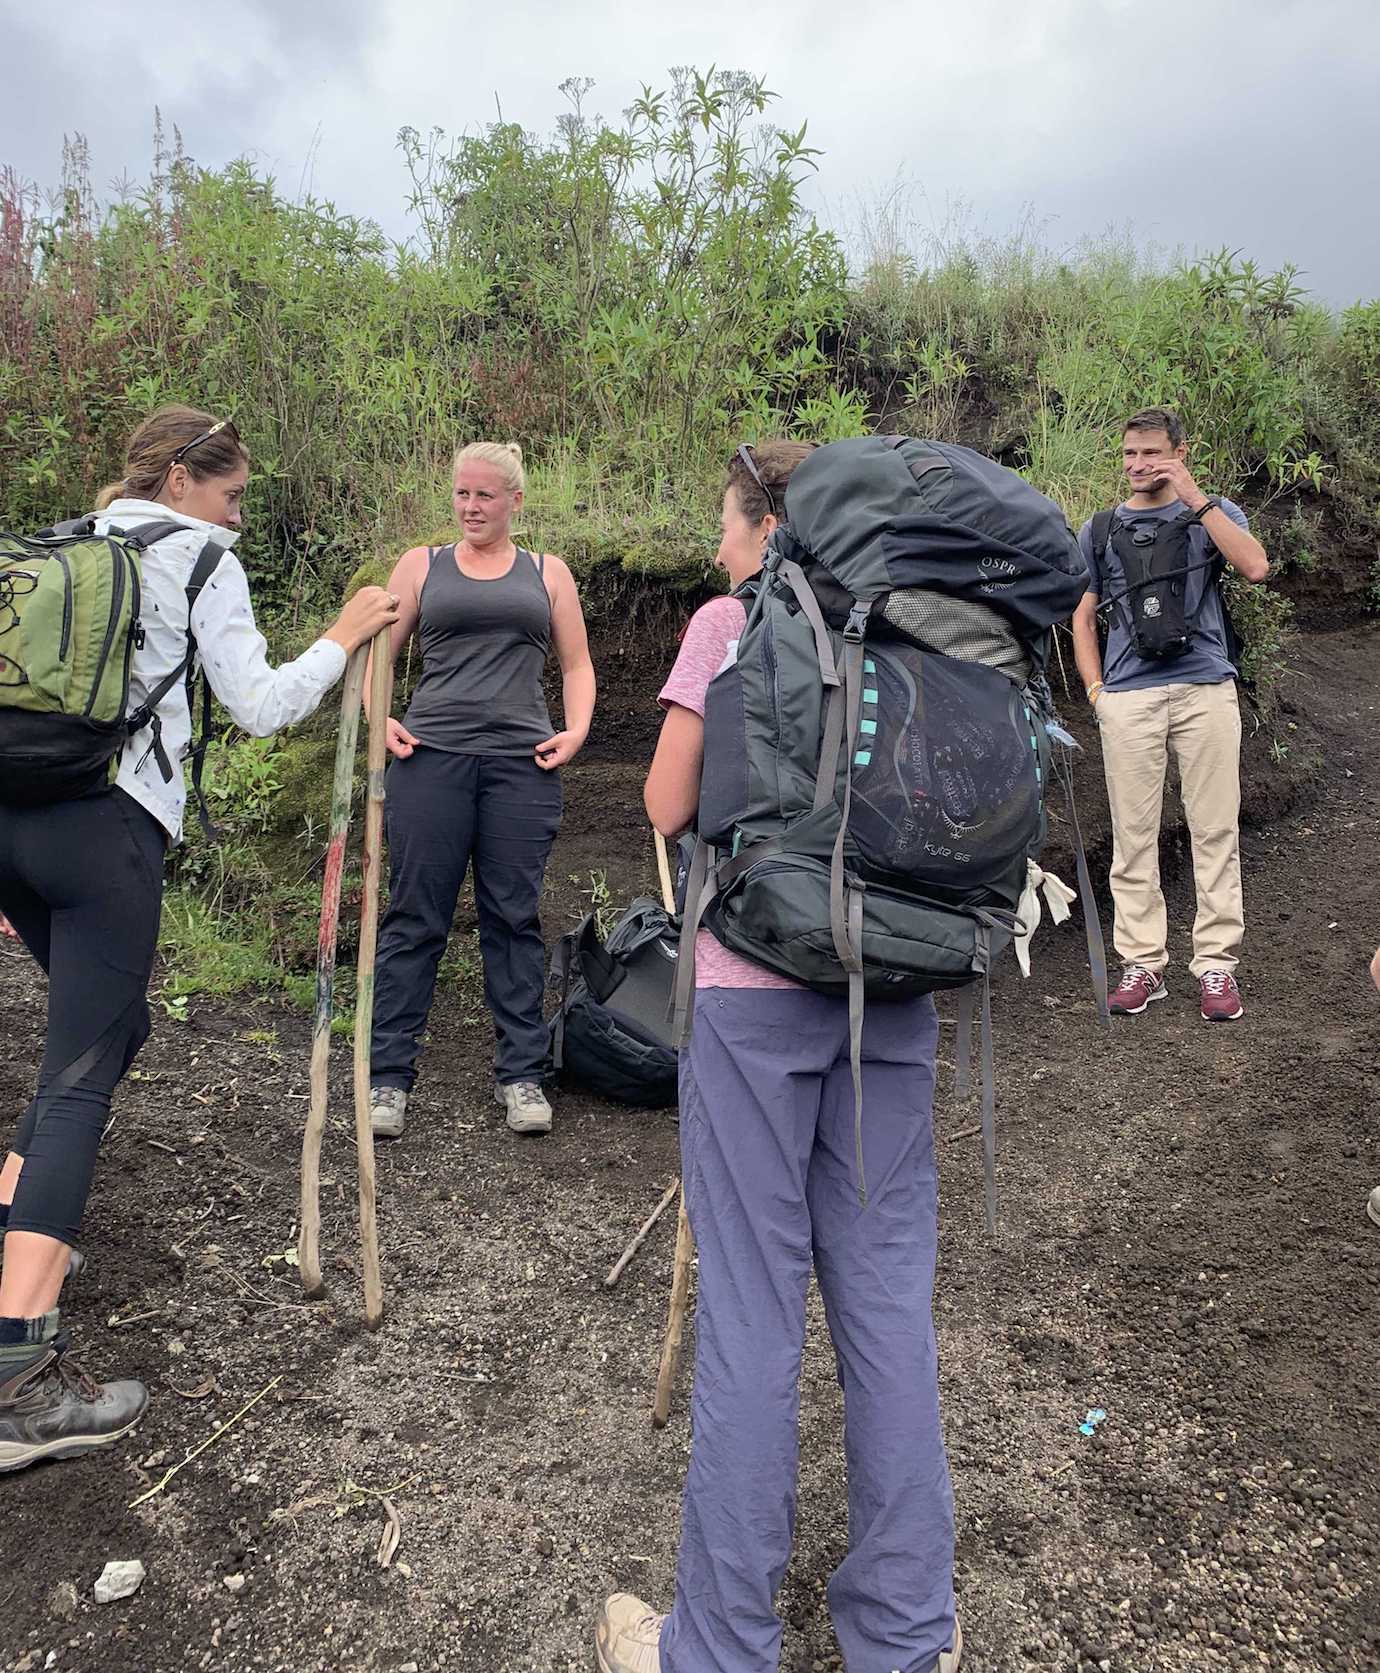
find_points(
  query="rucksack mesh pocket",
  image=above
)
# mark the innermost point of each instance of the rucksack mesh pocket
(957, 627)
(947, 772)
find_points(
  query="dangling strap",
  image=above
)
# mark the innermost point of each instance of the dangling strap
(963, 1045)
(846, 895)
(561, 960)
(1097, 947)
(700, 889)
(989, 1105)
(794, 577)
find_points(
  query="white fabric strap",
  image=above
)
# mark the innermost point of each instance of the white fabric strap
(1058, 897)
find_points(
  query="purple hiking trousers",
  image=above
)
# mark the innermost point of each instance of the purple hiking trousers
(767, 1153)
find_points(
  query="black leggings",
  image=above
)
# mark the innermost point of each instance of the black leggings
(82, 883)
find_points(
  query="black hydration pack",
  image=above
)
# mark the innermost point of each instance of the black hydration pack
(1156, 560)
(612, 1032)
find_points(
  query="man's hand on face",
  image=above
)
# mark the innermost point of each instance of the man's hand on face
(1174, 474)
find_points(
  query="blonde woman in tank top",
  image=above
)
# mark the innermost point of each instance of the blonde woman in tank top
(475, 780)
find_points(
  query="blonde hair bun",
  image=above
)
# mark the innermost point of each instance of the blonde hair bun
(504, 456)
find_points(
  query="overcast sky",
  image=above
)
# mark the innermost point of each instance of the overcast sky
(1190, 124)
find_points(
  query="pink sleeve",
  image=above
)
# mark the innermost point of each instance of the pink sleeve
(703, 652)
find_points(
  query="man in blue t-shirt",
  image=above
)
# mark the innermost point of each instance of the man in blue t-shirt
(1148, 703)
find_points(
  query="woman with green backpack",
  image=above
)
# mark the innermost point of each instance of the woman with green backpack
(81, 856)
(768, 1160)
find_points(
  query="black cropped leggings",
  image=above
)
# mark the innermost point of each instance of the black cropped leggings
(82, 883)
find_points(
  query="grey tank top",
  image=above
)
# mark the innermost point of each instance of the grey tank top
(484, 646)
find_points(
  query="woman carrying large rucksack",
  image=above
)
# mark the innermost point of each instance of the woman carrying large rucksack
(474, 782)
(768, 1159)
(81, 880)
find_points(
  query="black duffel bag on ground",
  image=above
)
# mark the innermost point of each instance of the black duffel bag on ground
(612, 1032)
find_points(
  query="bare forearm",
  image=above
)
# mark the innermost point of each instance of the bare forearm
(1087, 654)
(578, 690)
(1237, 545)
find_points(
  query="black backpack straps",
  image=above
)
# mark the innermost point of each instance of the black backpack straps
(147, 712)
(208, 560)
(1101, 532)
(144, 535)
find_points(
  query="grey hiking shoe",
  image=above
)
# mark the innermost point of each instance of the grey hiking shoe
(387, 1107)
(51, 1408)
(1373, 1205)
(526, 1106)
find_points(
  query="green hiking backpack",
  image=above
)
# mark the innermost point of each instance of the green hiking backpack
(69, 626)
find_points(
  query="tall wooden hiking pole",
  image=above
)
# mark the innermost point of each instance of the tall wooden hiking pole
(309, 1224)
(380, 697)
(685, 1242)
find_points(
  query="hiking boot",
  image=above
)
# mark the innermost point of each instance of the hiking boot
(1373, 1205)
(387, 1107)
(526, 1106)
(950, 1658)
(1221, 998)
(1137, 988)
(51, 1408)
(627, 1636)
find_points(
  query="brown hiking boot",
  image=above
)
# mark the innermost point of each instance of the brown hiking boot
(627, 1636)
(1221, 998)
(51, 1408)
(1137, 988)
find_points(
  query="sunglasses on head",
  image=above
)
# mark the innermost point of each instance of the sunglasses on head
(750, 464)
(196, 441)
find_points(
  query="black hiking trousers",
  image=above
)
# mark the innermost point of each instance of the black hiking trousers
(82, 883)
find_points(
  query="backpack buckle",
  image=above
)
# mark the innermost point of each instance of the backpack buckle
(856, 629)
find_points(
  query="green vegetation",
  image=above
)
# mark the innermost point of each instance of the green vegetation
(629, 301)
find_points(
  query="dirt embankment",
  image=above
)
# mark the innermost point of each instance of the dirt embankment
(1183, 1244)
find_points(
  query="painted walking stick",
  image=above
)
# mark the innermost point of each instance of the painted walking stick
(309, 1229)
(380, 697)
(685, 1242)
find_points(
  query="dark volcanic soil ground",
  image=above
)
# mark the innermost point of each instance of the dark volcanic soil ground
(1183, 1244)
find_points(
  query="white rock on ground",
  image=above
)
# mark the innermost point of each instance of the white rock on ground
(119, 1580)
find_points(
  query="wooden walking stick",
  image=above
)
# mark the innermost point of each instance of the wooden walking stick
(380, 697)
(309, 1226)
(685, 1242)
(675, 1319)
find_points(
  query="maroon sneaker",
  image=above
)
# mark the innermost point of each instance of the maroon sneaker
(1137, 988)
(1221, 997)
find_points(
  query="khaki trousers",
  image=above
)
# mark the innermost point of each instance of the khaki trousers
(1202, 725)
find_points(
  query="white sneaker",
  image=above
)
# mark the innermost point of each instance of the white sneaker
(627, 1636)
(1373, 1206)
(526, 1106)
(387, 1107)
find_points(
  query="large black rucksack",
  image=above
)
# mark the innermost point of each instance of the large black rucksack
(877, 753)
(612, 1030)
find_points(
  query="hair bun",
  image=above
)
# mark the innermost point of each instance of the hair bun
(515, 448)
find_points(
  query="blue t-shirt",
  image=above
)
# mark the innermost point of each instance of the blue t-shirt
(1205, 662)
